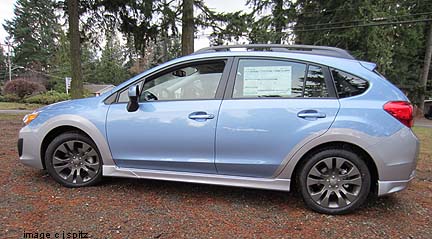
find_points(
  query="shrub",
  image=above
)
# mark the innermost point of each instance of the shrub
(22, 88)
(48, 97)
(9, 98)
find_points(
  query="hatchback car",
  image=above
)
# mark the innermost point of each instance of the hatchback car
(272, 117)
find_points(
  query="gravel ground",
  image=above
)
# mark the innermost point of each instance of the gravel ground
(31, 202)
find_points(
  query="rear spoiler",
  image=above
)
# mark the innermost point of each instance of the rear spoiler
(368, 65)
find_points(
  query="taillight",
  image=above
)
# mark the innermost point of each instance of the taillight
(402, 111)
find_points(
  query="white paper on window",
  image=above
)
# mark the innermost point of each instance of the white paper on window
(267, 80)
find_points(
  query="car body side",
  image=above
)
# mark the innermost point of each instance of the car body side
(391, 147)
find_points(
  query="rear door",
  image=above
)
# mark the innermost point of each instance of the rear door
(270, 106)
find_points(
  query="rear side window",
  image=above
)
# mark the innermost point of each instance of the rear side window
(348, 85)
(269, 78)
(315, 85)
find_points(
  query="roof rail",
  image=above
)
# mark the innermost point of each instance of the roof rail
(305, 49)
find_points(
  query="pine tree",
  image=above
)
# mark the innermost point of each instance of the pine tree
(34, 32)
(110, 68)
(3, 64)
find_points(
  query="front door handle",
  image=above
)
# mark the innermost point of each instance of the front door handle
(200, 116)
(310, 114)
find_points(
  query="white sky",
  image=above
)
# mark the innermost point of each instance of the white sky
(7, 8)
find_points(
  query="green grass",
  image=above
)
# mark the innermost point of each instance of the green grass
(14, 117)
(18, 106)
(425, 136)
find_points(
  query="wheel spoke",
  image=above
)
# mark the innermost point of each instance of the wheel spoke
(350, 196)
(70, 145)
(91, 153)
(325, 200)
(315, 172)
(352, 172)
(313, 181)
(90, 172)
(57, 160)
(329, 163)
(340, 200)
(79, 178)
(317, 196)
(62, 148)
(354, 181)
(85, 149)
(70, 177)
(339, 163)
(60, 168)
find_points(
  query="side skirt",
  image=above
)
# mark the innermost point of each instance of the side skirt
(213, 179)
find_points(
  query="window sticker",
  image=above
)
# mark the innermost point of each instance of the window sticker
(267, 80)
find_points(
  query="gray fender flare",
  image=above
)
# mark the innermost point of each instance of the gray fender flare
(83, 124)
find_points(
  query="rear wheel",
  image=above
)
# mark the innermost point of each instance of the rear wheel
(73, 160)
(334, 181)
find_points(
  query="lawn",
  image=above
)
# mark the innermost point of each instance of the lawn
(18, 106)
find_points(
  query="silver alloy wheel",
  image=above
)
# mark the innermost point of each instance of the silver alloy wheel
(76, 161)
(334, 182)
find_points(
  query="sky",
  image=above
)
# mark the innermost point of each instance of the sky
(7, 8)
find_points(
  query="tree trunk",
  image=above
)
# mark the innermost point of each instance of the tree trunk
(278, 20)
(426, 66)
(187, 28)
(75, 49)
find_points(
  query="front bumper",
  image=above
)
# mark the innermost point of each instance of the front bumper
(29, 148)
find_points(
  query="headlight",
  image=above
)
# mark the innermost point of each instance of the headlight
(30, 117)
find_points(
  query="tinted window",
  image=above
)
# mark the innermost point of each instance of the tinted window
(315, 85)
(123, 97)
(348, 85)
(193, 82)
(269, 78)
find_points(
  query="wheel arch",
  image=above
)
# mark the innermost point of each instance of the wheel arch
(364, 155)
(51, 135)
(67, 123)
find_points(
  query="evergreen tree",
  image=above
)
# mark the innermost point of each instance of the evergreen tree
(34, 32)
(398, 49)
(3, 64)
(110, 68)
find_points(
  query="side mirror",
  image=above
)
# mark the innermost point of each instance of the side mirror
(179, 73)
(133, 94)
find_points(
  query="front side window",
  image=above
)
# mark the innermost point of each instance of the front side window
(269, 78)
(348, 85)
(199, 81)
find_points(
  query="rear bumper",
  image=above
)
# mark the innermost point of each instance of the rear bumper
(388, 187)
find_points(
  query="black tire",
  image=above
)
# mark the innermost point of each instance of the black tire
(336, 190)
(76, 166)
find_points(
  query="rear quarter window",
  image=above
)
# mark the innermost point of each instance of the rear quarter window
(348, 85)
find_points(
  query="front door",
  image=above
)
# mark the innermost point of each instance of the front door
(174, 127)
(273, 105)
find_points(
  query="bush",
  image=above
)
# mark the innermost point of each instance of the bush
(46, 98)
(22, 88)
(9, 98)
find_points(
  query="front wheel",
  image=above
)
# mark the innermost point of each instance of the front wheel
(334, 181)
(73, 160)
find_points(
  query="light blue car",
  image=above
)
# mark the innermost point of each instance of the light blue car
(272, 117)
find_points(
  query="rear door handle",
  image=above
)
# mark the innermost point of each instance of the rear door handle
(200, 115)
(310, 114)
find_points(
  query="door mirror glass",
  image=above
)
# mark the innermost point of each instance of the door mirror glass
(133, 94)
